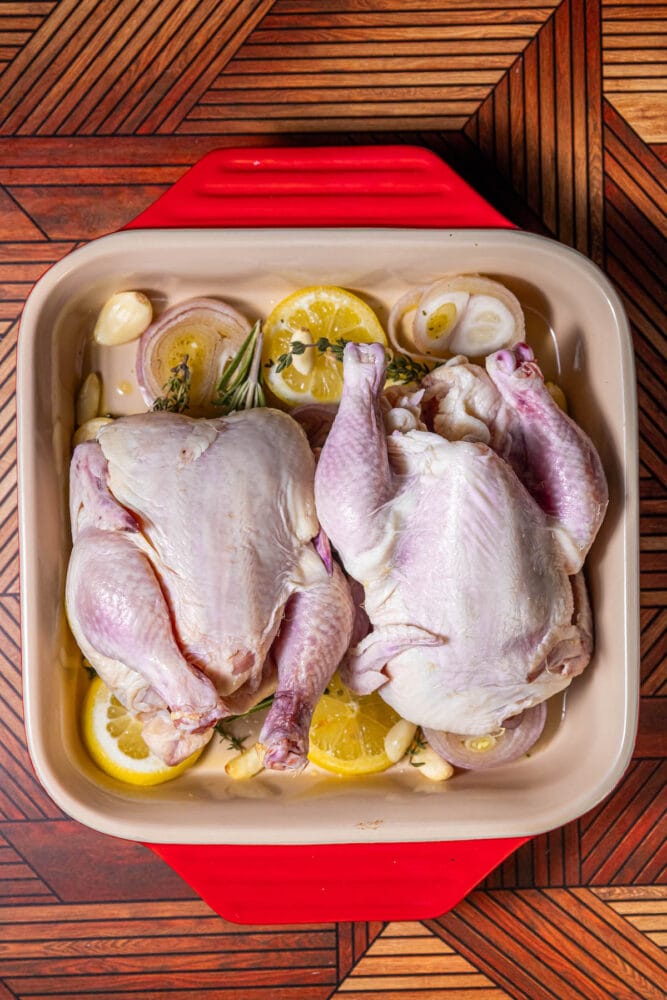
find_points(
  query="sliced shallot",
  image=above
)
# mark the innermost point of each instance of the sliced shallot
(517, 735)
(206, 331)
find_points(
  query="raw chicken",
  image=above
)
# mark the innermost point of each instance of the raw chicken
(199, 576)
(466, 574)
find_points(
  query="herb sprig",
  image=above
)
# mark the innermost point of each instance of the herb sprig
(400, 368)
(240, 387)
(177, 389)
(418, 743)
(235, 742)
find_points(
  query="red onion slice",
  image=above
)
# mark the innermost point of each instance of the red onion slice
(210, 332)
(476, 753)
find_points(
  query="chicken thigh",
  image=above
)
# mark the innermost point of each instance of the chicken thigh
(199, 578)
(466, 574)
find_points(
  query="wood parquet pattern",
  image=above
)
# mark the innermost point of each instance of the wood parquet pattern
(557, 112)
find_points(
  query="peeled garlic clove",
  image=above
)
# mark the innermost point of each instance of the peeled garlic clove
(88, 399)
(123, 317)
(245, 765)
(398, 739)
(431, 765)
(88, 430)
(304, 363)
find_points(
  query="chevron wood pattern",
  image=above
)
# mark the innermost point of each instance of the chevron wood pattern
(556, 112)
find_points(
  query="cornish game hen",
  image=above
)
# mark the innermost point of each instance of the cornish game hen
(468, 549)
(199, 577)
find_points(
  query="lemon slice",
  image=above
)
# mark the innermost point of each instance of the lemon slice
(347, 733)
(306, 316)
(113, 739)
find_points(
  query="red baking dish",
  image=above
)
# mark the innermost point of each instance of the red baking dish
(359, 871)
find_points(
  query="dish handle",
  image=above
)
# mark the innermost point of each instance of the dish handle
(386, 186)
(375, 186)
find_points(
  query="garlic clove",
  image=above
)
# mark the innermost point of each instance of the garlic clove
(88, 431)
(304, 363)
(431, 765)
(88, 399)
(123, 318)
(398, 739)
(245, 765)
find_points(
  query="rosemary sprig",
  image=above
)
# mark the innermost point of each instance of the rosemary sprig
(176, 389)
(240, 387)
(400, 368)
(235, 742)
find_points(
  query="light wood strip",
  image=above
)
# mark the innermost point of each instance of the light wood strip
(236, 83)
(418, 6)
(10, 8)
(644, 85)
(390, 34)
(612, 27)
(638, 42)
(378, 984)
(426, 964)
(628, 12)
(450, 66)
(430, 945)
(405, 928)
(383, 109)
(486, 18)
(616, 73)
(289, 50)
(347, 96)
(649, 54)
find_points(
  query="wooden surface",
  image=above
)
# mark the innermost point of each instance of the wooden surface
(556, 112)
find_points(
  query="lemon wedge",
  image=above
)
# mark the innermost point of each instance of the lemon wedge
(306, 316)
(348, 731)
(113, 739)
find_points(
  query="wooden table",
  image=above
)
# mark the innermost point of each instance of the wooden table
(556, 112)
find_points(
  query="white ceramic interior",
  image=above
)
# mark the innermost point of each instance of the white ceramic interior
(578, 328)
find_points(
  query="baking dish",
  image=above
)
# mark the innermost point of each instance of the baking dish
(577, 325)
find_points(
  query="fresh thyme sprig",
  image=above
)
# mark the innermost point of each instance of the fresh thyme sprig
(177, 389)
(235, 742)
(400, 368)
(418, 743)
(240, 387)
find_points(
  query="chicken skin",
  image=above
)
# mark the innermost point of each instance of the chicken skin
(467, 549)
(199, 579)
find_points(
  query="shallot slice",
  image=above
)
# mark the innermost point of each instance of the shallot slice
(476, 753)
(206, 331)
